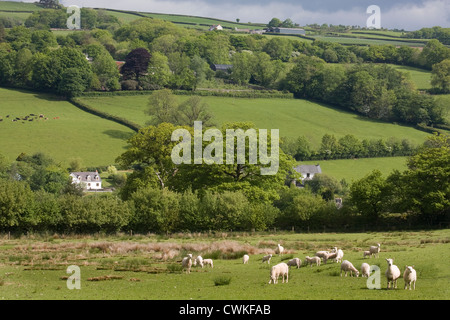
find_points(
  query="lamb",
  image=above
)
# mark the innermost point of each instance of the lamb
(245, 259)
(329, 256)
(365, 270)
(279, 250)
(187, 263)
(375, 250)
(410, 277)
(295, 262)
(340, 255)
(281, 269)
(267, 258)
(321, 254)
(312, 260)
(392, 273)
(208, 262)
(347, 266)
(199, 261)
(366, 253)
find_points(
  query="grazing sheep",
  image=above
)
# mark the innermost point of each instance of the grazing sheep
(199, 261)
(332, 255)
(295, 262)
(340, 255)
(208, 262)
(267, 258)
(245, 259)
(281, 269)
(392, 273)
(410, 277)
(365, 270)
(375, 250)
(322, 254)
(366, 253)
(347, 266)
(312, 260)
(187, 263)
(279, 250)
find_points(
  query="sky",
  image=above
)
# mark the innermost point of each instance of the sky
(402, 14)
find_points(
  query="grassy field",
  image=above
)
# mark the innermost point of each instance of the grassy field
(148, 267)
(356, 168)
(292, 117)
(67, 133)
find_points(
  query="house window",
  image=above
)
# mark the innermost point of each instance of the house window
(89, 184)
(98, 184)
(308, 175)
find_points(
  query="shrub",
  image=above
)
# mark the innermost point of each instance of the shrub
(222, 280)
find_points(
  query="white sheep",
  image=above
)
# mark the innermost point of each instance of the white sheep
(321, 254)
(187, 263)
(410, 277)
(208, 262)
(392, 273)
(199, 261)
(366, 253)
(347, 266)
(295, 262)
(375, 250)
(340, 255)
(312, 260)
(245, 259)
(365, 270)
(282, 270)
(279, 250)
(326, 257)
(267, 258)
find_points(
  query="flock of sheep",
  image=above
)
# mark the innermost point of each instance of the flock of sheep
(282, 269)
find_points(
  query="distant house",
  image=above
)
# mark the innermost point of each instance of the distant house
(88, 180)
(307, 173)
(289, 31)
(215, 27)
(221, 67)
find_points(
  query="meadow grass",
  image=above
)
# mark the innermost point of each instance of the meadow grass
(354, 169)
(135, 268)
(293, 117)
(67, 134)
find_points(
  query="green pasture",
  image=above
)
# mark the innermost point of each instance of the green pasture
(67, 133)
(19, 6)
(354, 169)
(421, 77)
(293, 117)
(148, 267)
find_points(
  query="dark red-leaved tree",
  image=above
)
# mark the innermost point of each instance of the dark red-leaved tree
(136, 64)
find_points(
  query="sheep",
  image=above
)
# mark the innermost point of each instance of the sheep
(347, 266)
(321, 254)
(279, 250)
(198, 260)
(312, 260)
(267, 258)
(340, 255)
(208, 262)
(366, 253)
(392, 273)
(329, 256)
(245, 259)
(410, 277)
(365, 270)
(295, 262)
(187, 263)
(281, 269)
(375, 250)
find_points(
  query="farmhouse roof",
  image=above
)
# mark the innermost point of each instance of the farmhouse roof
(304, 169)
(86, 176)
(221, 67)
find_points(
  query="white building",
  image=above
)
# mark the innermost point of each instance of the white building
(88, 180)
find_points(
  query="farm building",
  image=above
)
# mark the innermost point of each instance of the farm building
(289, 31)
(215, 27)
(221, 67)
(88, 180)
(308, 171)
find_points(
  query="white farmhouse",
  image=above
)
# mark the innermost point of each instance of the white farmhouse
(88, 180)
(308, 171)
